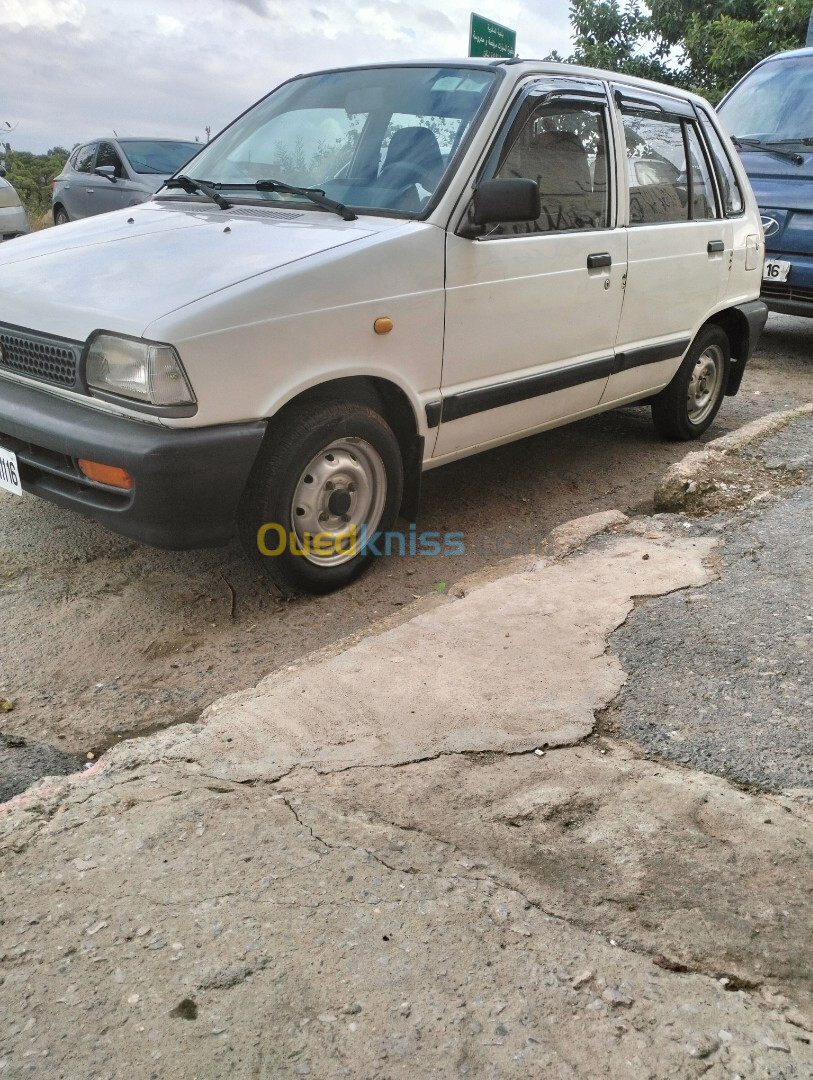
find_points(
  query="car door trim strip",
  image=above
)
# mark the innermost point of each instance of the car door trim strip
(468, 402)
(483, 398)
(651, 354)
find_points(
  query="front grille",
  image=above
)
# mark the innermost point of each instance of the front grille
(784, 290)
(38, 357)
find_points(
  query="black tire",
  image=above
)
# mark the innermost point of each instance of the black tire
(326, 466)
(61, 216)
(688, 405)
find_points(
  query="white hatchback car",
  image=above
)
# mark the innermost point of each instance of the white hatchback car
(372, 272)
(13, 218)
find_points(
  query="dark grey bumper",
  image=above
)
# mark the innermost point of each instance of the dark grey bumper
(186, 483)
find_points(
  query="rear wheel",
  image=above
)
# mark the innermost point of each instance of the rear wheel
(330, 479)
(687, 406)
(61, 216)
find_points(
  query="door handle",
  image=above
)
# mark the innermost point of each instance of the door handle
(89, 190)
(715, 245)
(603, 258)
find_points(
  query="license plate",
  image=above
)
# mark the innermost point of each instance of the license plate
(9, 472)
(775, 270)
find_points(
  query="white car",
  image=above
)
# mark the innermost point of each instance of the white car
(372, 272)
(13, 218)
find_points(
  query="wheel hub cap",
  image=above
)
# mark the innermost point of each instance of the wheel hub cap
(340, 494)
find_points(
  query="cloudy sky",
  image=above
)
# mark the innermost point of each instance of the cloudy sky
(76, 69)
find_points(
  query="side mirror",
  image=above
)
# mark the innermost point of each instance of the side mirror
(499, 201)
(108, 172)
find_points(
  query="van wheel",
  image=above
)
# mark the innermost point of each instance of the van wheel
(330, 475)
(687, 406)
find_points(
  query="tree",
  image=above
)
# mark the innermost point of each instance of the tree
(31, 175)
(704, 45)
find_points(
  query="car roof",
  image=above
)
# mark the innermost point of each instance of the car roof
(135, 138)
(521, 67)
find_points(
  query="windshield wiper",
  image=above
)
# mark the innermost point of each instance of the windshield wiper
(803, 140)
(767, 148)
(198, 187)
(316, 195)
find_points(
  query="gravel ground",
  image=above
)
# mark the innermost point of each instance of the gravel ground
(721, 678)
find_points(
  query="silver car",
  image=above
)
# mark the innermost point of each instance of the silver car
(13, 218)
(109, 174)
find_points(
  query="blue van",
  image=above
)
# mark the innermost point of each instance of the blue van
(769, 116)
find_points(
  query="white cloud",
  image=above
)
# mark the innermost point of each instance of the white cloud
(172, 67)
(41, 13)
(168, 25)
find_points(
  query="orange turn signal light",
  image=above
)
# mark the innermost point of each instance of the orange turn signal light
(106, 474)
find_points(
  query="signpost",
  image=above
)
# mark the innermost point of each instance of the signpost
(488, 38)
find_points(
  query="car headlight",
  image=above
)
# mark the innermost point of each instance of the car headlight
(140, 370)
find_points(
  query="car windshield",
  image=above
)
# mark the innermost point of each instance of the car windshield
(158, 156)
(376, 139)
(773, 104)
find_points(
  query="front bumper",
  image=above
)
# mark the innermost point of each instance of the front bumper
(187, 482)
(794, 296)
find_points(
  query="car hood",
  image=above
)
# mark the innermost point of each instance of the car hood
(779, 183)
(122, 271)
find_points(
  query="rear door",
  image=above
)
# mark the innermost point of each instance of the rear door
(680, 245)
(532, 309)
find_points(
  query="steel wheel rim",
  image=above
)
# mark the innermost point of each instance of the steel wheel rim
(705, 383)
(338, 498)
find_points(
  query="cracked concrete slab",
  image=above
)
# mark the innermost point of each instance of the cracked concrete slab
(518, 663)
(663, 860)
(192, 928)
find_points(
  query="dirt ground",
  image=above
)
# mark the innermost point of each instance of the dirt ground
(103, 639)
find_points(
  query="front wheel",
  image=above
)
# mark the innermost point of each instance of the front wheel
(687, 406)
(330, 479)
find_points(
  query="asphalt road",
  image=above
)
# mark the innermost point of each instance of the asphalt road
(102, 639)
(721, 678)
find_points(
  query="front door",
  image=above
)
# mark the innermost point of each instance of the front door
(532, 310)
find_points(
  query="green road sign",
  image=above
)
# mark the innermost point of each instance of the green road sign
(488, 38)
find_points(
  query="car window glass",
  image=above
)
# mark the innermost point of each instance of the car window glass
(84, 159)
(702, 189)
(733, 202)
(107, 156)
(377, 138)
(563, 149)
(656, 168)
(161, 157)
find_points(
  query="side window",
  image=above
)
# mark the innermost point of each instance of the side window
(84, 159)
(733, 202)
(668, 171)
(563, 148)
(107, 156)
(700, 185)
(656, 168)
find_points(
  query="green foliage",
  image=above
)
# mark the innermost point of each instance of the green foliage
(704, 45)
(31, 175)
